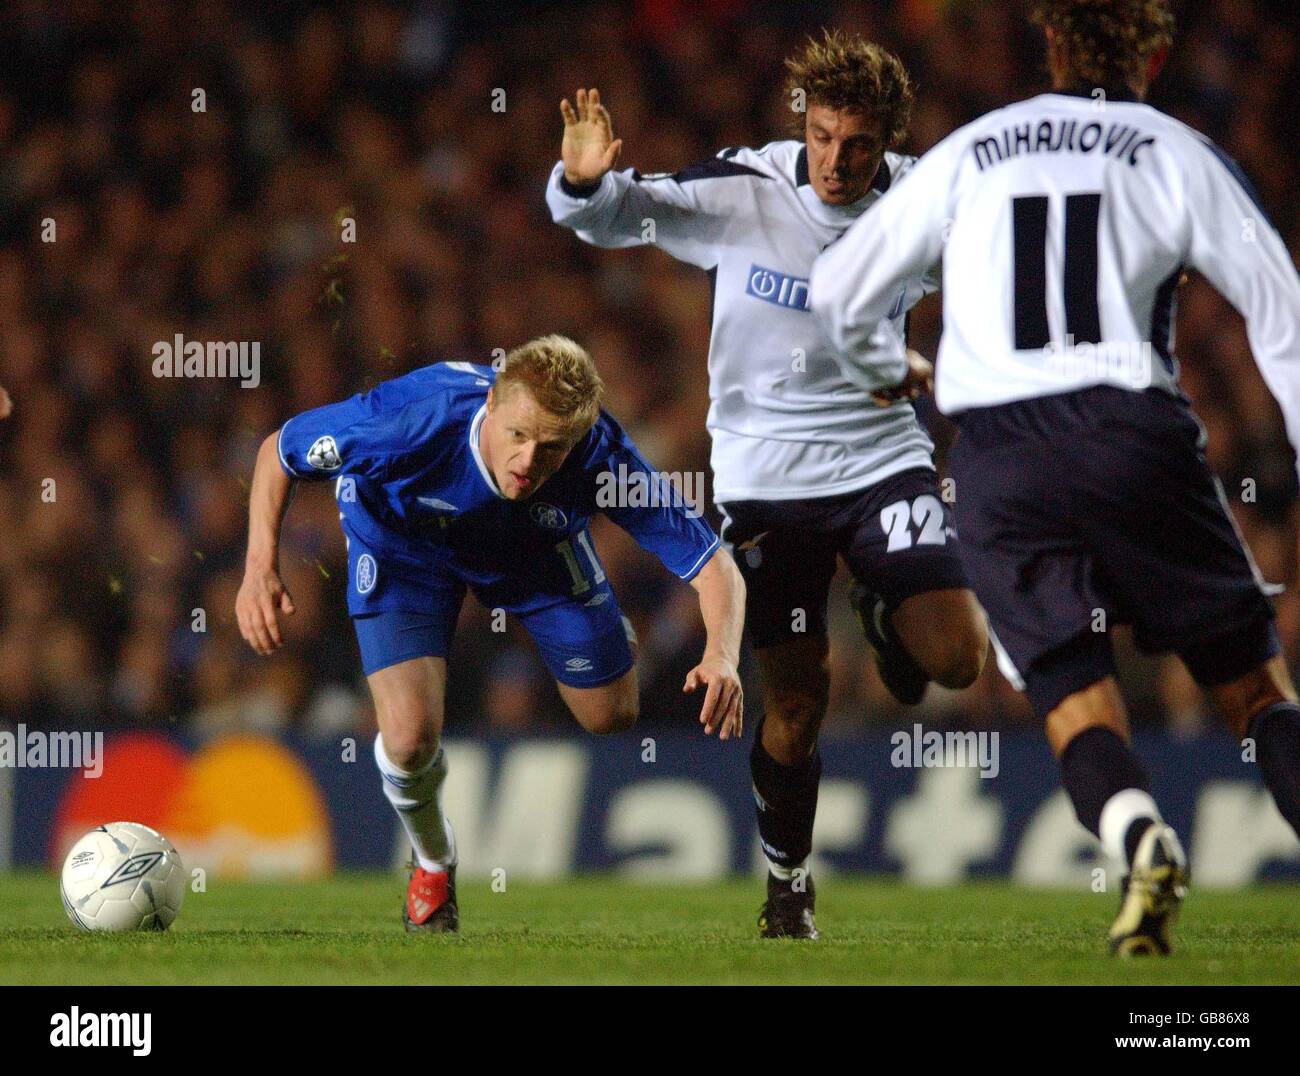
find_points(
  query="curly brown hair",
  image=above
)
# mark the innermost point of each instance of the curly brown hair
(1106, 43)
(843, 71)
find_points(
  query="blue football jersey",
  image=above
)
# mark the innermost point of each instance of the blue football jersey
(412, 485)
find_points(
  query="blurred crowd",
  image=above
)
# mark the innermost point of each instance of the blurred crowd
(191, 169)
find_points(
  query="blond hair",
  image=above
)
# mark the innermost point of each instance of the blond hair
(560, 375)
(846, 72)
(1106, 43)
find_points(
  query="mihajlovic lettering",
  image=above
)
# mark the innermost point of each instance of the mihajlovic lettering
(1122, 141)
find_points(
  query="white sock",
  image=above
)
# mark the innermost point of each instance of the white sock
(1121, 811)
(417, 799)
(786, 874)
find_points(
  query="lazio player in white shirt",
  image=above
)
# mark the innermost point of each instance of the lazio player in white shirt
(807, 470)
(1065, 223)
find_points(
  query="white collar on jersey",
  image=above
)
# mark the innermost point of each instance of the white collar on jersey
(478, 456)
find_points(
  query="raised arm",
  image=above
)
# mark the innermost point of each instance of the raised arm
(722, 605)
(262, 595)
(624, 209)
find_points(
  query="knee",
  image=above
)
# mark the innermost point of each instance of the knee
(410, 737)
(615, 718)
(946, 634)
(410, 751)
(1243, 698)
(1240, 710)
(796, 710)
(799, 709)
(962, 660)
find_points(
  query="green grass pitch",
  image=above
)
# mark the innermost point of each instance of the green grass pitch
(604, 930)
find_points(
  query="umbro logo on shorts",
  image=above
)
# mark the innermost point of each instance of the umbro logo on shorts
(578, 665)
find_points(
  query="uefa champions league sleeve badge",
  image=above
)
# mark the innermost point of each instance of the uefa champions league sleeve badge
(324, 454)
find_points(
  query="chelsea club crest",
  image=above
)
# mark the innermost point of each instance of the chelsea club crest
(547, 515)
(367, 573)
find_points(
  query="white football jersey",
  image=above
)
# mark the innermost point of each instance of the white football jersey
(785, 422)
(1064, 224)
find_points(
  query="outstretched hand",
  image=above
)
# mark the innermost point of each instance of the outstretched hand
(262, 596)
(589, 149)
(724, 699)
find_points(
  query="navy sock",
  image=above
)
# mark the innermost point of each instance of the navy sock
(1134, 836)
(1097, 764)
(786, 802)
(1276, 732)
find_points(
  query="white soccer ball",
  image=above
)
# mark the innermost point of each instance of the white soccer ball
(122, 876)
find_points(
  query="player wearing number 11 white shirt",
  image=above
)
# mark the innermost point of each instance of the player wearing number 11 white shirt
(1065, 223)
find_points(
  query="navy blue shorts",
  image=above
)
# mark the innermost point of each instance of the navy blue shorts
(1093, 508)
(896, 536)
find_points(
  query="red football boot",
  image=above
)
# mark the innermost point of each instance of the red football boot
(431, 902)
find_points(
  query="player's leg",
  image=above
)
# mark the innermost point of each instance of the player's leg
(787, 573)
(910, 591)
(786, 769)
(408, 701)
(1196, 591)
(1253, 695)
(1047, 588)
(795, 680)
(1260, 706)
(403, 655)
(946, 634)
(1111, 794)
(589, 647)
(1107, 785)
(606, 709)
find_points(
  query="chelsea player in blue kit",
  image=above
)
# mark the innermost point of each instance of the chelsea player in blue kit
(456, 478)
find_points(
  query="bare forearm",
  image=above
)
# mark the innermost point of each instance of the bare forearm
(722, 605)
(267, 501)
